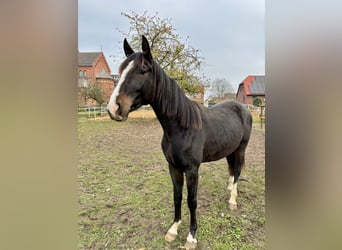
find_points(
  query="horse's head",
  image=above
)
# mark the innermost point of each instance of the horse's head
(135, 77)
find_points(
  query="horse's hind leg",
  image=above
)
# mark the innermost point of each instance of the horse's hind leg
(235, 163)
(230, 160)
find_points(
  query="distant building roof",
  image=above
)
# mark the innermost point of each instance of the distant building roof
(254, 85)
(228, 96)
(257, 86)
(116, 77)
(87, 58)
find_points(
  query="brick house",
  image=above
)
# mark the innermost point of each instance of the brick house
(93, 67)
(252, 86)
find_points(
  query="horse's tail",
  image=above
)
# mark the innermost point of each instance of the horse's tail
(247, 120)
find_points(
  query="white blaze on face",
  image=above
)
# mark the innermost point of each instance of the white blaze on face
(112, 106)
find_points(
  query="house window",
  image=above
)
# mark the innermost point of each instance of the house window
(85, 74)
(81, 73)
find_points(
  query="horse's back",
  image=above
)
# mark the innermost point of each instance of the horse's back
(226, 125)
(228, 112)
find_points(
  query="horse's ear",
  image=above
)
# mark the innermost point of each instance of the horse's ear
(128, 50)
(146, 49)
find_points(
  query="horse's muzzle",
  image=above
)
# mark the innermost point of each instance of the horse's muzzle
(116, 117)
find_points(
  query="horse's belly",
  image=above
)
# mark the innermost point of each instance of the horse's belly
(217, 154)
(218, 147)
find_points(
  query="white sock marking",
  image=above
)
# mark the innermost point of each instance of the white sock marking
(112, 106)
(233, 194)
(174, 228)
(191, 239)
(230, 183)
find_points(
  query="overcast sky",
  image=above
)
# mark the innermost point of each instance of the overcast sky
(230, 34)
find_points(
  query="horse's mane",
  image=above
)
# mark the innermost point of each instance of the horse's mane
(172, 102)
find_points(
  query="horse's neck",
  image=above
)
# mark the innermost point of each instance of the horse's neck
(166, 100)
(173, 109)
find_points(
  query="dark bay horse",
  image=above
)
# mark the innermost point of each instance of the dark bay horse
(192, 132)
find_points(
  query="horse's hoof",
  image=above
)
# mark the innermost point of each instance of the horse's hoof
(190, 245)
(170, 237)
(232, 206)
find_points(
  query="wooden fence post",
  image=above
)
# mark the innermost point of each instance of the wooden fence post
(262, 114)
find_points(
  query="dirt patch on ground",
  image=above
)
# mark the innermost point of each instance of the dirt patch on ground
(255, 153)
(125, 192)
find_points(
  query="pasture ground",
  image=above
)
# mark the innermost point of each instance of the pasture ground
(126, 197)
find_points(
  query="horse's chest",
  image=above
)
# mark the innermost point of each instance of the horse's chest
(179, 155)
(174, 155)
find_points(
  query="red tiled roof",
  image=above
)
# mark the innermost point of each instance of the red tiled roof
(248, 80)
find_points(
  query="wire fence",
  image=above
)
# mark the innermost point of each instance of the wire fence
(92, 111)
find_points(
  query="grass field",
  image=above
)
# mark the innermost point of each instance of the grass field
(126, 198)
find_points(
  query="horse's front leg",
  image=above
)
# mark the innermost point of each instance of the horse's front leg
(177, 177)
(192, 184)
